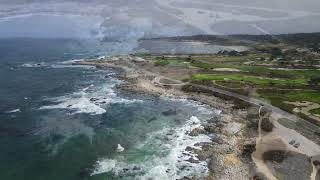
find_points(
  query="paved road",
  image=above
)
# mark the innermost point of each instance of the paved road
(250, 100)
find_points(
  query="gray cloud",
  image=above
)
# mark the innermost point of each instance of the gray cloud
(125, 20)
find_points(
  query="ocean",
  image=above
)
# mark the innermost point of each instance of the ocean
(64, 122)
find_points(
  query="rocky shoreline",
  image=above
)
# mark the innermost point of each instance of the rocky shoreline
(236, 150)
(224, 155)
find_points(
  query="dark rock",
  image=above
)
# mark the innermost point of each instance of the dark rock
(248, 149)
(210, 128)
(190, 149)
(266, 125)
(296, 145)
(94, 99)
(259, 176)
(217, 140)
(316, 163)
(292, 142)
(213, 119)
(197, 131)
(193, 160)
(136, 168)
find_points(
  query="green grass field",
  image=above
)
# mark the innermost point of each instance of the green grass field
(258, 70)
(252, 79)
(159, 61)
(226, 58)
(278, 99)
(273, 85)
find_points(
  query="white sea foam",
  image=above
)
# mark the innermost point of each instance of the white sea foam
(92, 100)
(14, 111)
(104, 166)
(72, 61)
(72, 66)
(81, 105)
(202, 108)
(174, 165)
(120, 148)
(34, 65)
(63, 64)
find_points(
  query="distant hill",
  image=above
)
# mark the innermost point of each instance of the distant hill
(297, 39)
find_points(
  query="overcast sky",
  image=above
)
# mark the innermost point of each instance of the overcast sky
(123, 20)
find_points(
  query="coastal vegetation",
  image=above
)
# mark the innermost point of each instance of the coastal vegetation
(277, 72)
(261, 91)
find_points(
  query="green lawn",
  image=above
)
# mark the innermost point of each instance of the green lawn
(252, 79)
(224, 58)
(305, 96)
(278, 99)
(261, 71)
(312, 96)
(159, 61)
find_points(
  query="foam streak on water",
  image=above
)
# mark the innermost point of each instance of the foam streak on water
(92, 100)
(174, 164)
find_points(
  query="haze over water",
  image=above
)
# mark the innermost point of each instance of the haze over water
(61, 121)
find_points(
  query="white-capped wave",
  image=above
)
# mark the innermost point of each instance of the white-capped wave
(34, 65)
(120, 148)
(72, 66)
(175, 164)
(104, 166)
(72, 61)
(80, 105)
(92, 100)
(14, 111)
(63, 64)
(202, 108)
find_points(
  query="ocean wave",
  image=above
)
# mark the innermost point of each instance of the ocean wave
(13, 111)
(92, 100)
(175, 164)
(63, 64)
(202, 108)
(72, 61)
(34, 65)
(71, 66)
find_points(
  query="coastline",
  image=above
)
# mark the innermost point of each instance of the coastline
(238, 148)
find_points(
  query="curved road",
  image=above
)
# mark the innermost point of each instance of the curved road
(250, 100)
